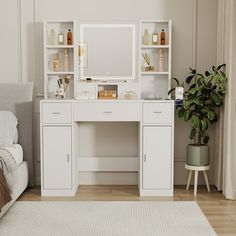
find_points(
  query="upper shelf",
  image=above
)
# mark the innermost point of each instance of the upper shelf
(154, 46)
(60, 73)
(59, 46)
(154, 73)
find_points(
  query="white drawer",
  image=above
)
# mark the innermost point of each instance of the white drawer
(157, 113)
(56, 113)
(107, 111)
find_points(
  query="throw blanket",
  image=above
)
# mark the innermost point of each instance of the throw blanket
(8, 163)
(5, 196)
(8, 160)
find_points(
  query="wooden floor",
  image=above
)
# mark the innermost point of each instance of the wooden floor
(220, 213)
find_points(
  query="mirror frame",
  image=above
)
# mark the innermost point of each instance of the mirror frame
(105, 77)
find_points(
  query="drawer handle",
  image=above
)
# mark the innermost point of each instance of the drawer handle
(68, 157)
(107, 112)
(145, 158)
(157, 112)
(56, 113)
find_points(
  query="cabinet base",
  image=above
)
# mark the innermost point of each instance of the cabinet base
(57, 193)
(156, 192)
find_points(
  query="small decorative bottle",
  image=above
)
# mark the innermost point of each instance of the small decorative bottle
(60, 38)
(66, 61)
(146, 37)
(56, 63)
(163, 37)
(52, 37)
(69, 37)
(155, 40)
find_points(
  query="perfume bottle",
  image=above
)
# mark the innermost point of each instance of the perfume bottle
(69, 37)
(66, 61)
(60, 38)
(155, 39)
(146, 37)
(163, 37)
(56, 63)
(52, 37)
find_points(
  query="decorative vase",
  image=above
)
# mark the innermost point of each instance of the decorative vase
(149, 68)
(197, 155)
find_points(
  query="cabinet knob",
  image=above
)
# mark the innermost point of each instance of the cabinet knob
(107, 112)
(56, 113)
(157, 112)
(68, 157)
(145, 157)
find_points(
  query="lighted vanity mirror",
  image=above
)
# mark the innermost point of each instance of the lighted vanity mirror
(110, 51)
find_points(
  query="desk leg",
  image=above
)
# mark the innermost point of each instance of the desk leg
(206, 179)
(195, 182)
(189, 179)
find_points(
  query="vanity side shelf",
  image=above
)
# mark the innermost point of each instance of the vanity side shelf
(60, 61)
(155, 58)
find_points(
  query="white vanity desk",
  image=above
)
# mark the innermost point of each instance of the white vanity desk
(60, 163)
(111, 64)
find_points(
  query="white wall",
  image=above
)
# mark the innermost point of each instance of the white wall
(10, 43)
(194, 44)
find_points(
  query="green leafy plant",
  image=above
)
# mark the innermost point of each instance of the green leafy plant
(203, 96)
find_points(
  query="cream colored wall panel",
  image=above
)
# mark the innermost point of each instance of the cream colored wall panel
(105, 178)
(206, 33)
(98, 164)
(119, 139)
(10, 50)
(104, 9)
(206, 28)
(28, 40)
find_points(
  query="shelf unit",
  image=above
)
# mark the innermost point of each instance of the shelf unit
(156, 82)
(54, 50)
(153, 84)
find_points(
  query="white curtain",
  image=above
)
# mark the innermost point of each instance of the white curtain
(225, 159)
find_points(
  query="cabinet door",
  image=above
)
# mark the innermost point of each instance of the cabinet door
(57, 157)
(157, 158)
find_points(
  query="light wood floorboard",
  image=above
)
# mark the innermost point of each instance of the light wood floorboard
(220, 213)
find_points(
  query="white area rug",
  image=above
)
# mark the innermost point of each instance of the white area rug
(105, 219)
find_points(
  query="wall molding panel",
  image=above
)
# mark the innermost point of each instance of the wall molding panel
(19, 20)
(39, 51)
(194, 32)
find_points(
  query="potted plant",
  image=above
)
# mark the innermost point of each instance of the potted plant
(203, 96)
